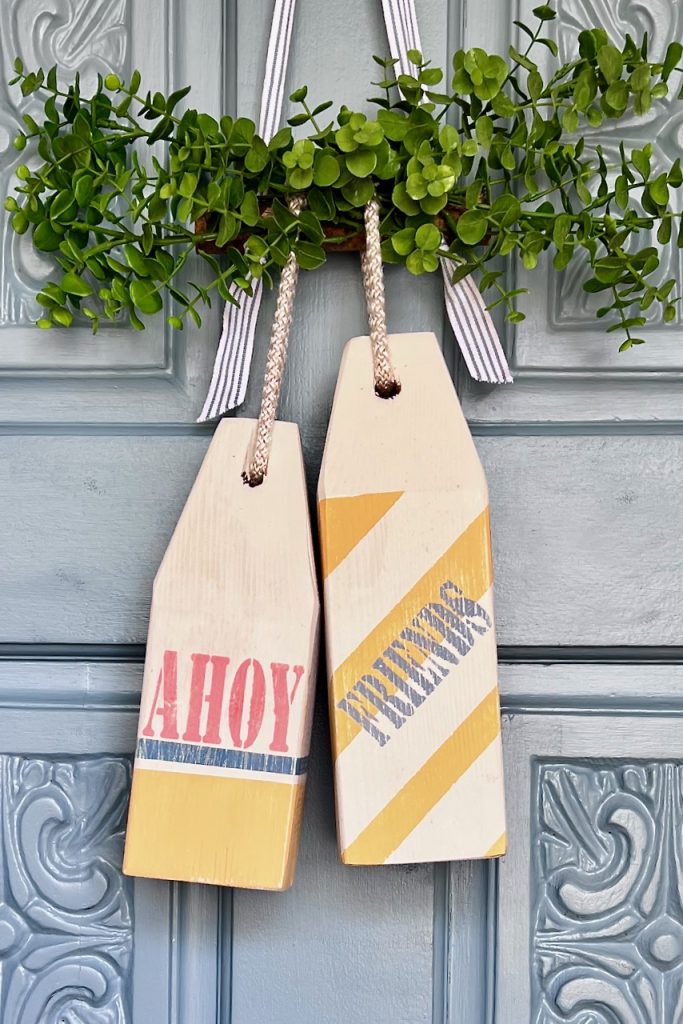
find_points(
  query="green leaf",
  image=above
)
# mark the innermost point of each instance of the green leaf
(675, 176)
(73, 284)
(326, 169)
(551, 44)
(84, 189)
(659, 190)
(416, 262)
(507, 158)
(674, 52)
(535, 85)
(610, 62)
(428, 237)
(502, 105)
(322, 204)
(471, 227)
(136, 260)
(300, 178)
(358, 192)
(483, 127)
(506, 210)
(545, 12)
(147, 239)
(309, 256)
(188, 185)
(642, 102)
(664, 231)
(45, 238)
(299, 95)
(621, 192)
(64, 317)
(280, 140)
(403, 202)
(403, 241)
(176, 97)
(144, 295)
(641, 161)
(249, 210)
(257, 157)
(520, 59)
(362, 162)
(561, 229)
(616, 97)
(63, 206)
(20, 222)
(570, 120)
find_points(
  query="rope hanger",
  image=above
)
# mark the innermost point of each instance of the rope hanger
(471, 322)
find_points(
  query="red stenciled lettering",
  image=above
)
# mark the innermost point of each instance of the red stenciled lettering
(257, 702)
(167, 692)
(213, 699)
(283, 700)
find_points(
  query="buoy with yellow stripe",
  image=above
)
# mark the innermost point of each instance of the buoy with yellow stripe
(408, 599)
(229, 680)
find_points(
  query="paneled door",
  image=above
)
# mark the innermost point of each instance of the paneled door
(583, 920)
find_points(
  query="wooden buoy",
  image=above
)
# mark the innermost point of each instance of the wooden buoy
(408, 598)
(229, 676)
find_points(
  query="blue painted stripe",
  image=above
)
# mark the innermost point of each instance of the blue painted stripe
(218, 757)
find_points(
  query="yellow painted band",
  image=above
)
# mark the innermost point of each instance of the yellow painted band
(499, 847)
(203, 828)
(344, 522)
(467, 563)
(415, 799)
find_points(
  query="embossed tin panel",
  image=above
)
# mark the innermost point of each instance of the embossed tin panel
(590, 898)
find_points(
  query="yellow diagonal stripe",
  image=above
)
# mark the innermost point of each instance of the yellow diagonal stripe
(467, 563)
(345, 521)
(415, 799)
(499, 847)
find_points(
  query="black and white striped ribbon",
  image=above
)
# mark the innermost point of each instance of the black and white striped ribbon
(236, 345)
(470, 320)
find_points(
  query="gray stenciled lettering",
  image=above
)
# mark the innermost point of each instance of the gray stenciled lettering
(440, 632)
(401, 657)
(399, 682)
(464, 606)
(362, 716)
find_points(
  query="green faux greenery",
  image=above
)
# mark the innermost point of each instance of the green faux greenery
(496, 164)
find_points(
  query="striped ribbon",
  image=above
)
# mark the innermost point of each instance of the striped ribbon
(471, 322)
(236, 345)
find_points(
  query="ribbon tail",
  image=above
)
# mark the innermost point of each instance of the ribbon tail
(230, 374)
(474, 330)
(236, 345)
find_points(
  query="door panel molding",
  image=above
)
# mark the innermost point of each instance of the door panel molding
(147, 951)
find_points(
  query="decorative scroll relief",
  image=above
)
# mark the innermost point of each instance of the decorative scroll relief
(607, 894)
(88, 36)
(66, 937)
(663, 127)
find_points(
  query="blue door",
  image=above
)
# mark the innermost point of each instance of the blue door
(583, 920)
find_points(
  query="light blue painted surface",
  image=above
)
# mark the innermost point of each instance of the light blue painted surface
(97, 452)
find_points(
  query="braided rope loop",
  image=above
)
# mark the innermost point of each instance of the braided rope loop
(275, 362)
(387, 384)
